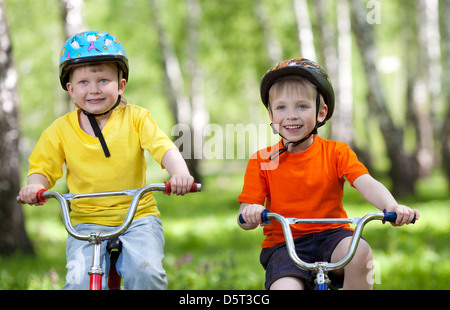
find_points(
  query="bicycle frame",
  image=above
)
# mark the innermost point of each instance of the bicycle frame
(322, 268)
(95, 238)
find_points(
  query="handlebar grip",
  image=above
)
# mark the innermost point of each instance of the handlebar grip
(40, 196)
(392, 217)
(241, 219)
(194, 188)
(263, 217)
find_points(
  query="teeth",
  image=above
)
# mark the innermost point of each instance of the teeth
(292, 127)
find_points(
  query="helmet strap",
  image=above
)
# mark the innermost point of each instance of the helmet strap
(294, 144)
(96, 128)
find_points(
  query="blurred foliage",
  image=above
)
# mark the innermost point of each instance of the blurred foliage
(232, 59)
(205, 249)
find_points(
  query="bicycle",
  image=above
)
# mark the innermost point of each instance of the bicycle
(114, 246)
(322, 268)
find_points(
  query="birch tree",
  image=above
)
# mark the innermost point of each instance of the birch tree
(304, 29)
(12, 229)
(72, 16)
(73, 23)
(184, 94)
(404, 168)
(423, 75)
(336, 51)
(445, 131)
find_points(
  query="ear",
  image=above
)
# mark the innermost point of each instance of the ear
(322, 113)
(269, 110)
(69, 88)
(122, 85)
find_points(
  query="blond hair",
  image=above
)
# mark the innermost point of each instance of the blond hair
(294, 86)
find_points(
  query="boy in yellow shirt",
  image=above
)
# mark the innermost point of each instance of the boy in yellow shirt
(102, 144)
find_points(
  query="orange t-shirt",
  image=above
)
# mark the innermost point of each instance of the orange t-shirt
(308, 184)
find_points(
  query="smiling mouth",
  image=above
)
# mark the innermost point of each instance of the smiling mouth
(293, 127)
(95, 101)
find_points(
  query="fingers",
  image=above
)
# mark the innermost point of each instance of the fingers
(405, 215)
(28, 194)
(252, 214)
(180, 185)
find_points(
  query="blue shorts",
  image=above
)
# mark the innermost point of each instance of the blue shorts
(310, 248)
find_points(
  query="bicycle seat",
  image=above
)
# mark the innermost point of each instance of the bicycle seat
(114, 248)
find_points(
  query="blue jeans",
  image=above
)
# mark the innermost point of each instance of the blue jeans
(139, 264)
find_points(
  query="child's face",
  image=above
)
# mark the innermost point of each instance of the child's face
(294, 115)
(95, 89)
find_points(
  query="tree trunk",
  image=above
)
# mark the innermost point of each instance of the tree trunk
(423, 76)
(336, 46)
(72, 16)
(200, 115)
(445, 134)
(13, 236)
(73, 23)
(187, 109)
(404, 168)
(304, 29)
(271, 42)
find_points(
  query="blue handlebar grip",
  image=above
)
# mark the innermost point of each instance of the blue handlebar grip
(263, 217)
(392, 217)
(241, 219)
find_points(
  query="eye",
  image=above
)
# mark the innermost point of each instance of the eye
(302, 106)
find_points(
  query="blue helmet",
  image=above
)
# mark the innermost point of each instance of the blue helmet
(90, 47)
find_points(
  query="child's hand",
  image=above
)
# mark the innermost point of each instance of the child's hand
(28, 194)
(252, 214)
(181, 184)
(405, 215)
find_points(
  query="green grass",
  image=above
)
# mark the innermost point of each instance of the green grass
(46, 269)
(205, 249)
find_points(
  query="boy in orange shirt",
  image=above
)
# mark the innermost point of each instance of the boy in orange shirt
(302, 176)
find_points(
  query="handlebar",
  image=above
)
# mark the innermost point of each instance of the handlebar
(267, 216)
(43, 196)
(388, 217)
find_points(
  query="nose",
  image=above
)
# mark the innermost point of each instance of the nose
(94, 88)
(292, 114)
